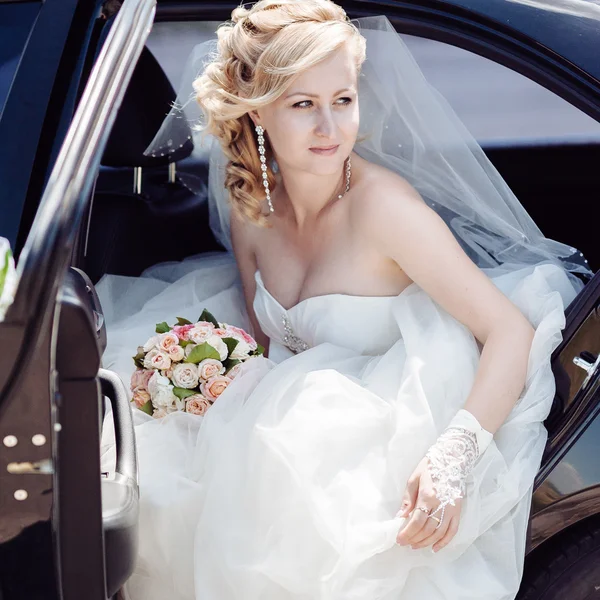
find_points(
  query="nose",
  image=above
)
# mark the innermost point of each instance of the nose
(326, 125)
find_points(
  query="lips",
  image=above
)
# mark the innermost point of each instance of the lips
(325, 150)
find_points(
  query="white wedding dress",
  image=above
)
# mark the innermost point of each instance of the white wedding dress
(289, 486)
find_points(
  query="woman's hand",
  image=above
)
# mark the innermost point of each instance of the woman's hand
(419, 530)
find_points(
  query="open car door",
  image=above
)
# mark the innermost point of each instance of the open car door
(66, 531)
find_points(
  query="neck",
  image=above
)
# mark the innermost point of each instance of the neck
(306, 196)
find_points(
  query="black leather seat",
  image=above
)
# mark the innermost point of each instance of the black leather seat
(123, 220)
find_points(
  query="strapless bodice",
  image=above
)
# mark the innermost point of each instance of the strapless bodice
(364, 324)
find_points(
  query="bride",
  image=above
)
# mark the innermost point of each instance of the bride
(387, 446)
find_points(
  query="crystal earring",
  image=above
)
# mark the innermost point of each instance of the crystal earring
(348, 174)
(263, 165)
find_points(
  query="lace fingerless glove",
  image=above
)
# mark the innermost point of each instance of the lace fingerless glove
(452, 457)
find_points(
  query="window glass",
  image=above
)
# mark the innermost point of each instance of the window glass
(496, 104)
(15, 24)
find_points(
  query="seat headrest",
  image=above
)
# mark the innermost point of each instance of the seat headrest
(147, 102)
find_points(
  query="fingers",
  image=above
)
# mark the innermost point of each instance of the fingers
(427, 531)
(413, 526)
(450, 533)
(410, 496)
(435, 533)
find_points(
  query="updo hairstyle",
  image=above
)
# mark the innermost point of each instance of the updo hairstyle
(258, 55)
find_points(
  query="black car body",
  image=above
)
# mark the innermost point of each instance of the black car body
(73, 184)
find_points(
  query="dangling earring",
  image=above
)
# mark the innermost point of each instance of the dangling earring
(263, 165)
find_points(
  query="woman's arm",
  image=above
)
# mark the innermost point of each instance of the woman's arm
(405, 229)
(243, 249)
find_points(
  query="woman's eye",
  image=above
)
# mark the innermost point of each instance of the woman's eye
(344, 101)
(303, 104)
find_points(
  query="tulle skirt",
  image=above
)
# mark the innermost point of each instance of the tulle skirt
(288, 487)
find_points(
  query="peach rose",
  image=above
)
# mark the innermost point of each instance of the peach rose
(215, 386)
(209, 367)
(157, 359)
(176, 353)
(167, 340)
(140, 397)
(200, 332)
(197, 404)
(140, 379)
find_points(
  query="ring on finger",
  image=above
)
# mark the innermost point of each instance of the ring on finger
(423, 509)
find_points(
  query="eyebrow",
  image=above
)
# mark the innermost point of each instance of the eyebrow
(346, 89)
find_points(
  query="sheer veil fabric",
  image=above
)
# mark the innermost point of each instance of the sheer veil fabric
(288, 488)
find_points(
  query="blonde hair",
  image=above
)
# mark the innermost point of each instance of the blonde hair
(259, 53)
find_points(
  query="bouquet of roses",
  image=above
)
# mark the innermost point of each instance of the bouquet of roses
(186, 367)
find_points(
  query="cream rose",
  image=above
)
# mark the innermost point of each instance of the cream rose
(167, 340)
(210, 367)
(215, 386)
(188, 349)
(165, 398)
(176, 353)
(219, 345)
(151, 343)
(157, 359)
(185, 375)
(200, 332)
(197, 404)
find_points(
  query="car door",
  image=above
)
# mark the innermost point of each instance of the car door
(66, 532)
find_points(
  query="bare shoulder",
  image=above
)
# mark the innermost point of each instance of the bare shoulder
(384, 199)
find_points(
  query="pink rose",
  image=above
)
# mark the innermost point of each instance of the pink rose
(215, 386)
(167, 341)
(197, 404)
(237, 333)
(209, 367)
(140, 397)
(140, 379)
(176, 353)
(157, 359)
(221, 332)
(182, 331)
(200, 332)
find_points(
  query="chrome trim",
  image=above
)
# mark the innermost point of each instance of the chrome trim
(589, 367)
(137, 180)
(172, 172)
(46, 253)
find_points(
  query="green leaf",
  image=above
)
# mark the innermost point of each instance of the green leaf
(182, 321)
(183, 393)
(202, 351)
(139, 362)
(259, 350)
(230, 363)
(162, 327)
(4, 270)
(231, 343)
(148, 408)
(184, 343)
(207, 316)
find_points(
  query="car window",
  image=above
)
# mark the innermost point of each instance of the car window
(496, 104)
(16, 21)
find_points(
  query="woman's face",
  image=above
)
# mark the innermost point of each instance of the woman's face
(314, 124)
